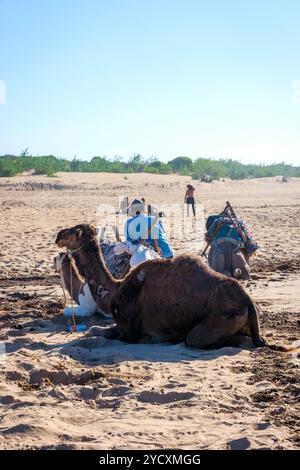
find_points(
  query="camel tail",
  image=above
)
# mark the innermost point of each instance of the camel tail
(255, 332)
(278, 347)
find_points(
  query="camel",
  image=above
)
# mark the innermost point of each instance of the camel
(77, 288)
(231, 244)
(227, 257)
(167, 300)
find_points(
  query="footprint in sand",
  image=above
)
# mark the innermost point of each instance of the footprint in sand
(239, 444)
(117, 392)
(163, 398)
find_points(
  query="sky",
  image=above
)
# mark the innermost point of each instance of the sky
(218, 79)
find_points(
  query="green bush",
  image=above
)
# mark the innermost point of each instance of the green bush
(49, 165)
(182, 165)
(8, 167)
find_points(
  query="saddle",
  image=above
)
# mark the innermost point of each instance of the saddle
(227, 226)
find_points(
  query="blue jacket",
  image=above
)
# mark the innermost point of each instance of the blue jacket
(137, 228)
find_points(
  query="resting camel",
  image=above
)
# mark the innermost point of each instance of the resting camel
(227, 257)
(173, 300)
(77, 288)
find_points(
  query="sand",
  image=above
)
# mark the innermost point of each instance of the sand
(74, 391)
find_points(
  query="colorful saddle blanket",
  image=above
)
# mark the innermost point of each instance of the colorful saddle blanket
(118, 265)
(231, 228)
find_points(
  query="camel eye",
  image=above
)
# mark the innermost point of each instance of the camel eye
(115, 308)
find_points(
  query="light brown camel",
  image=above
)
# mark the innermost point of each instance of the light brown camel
(77, 288)
(172, 300)
(70, 276)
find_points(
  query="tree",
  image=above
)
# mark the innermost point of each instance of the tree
(136, 163)
(181, 164)
(24, 152)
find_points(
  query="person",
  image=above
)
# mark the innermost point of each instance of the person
(189, 199)
(123, 206)
(149, 209)
(140, 227)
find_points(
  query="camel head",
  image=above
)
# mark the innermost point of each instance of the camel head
(74, 237)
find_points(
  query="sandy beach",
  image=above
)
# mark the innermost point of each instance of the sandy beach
(62, 390)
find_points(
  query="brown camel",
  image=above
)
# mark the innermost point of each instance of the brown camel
(226, 257)
(173, 300)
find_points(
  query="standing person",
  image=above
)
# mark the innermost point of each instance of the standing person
(189, 199)
(150, 209)
(123, 207)
(148, 206)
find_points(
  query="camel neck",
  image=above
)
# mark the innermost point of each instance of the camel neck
(102, 285)
(93, 266)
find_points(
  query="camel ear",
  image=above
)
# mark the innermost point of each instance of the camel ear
(79, 233)
(95, 230)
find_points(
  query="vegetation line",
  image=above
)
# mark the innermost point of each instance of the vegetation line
(11, 165)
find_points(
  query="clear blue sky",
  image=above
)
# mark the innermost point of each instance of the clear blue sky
(160, 77)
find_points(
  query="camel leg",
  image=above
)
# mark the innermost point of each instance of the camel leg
(236, 341)
(215, 328)
(217, 261)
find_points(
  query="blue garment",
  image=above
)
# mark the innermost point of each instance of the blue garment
(137, 228)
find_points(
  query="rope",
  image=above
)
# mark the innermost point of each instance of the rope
(62, 286)
(62, 281)
(71, 295)
(71, 252)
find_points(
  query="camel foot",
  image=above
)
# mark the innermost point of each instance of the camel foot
(236, 341)
(108, 333)
(112, 333)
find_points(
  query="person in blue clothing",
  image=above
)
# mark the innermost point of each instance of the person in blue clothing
(138, 225)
